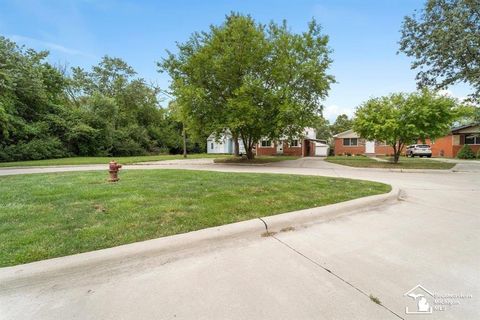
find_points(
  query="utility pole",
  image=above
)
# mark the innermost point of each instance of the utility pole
(184, 134)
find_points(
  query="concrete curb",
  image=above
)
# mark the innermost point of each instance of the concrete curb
(112, 258)
(306, 217)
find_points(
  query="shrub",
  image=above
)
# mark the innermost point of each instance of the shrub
(36, 149)
(478, 154)
(466, 153)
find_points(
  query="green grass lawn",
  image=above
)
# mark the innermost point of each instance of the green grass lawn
(50, 215)
(100, 160)
(260, 159)
(404, 163)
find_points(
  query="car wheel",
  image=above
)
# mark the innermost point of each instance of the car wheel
(429, 156)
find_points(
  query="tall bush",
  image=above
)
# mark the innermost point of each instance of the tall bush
(466, 152)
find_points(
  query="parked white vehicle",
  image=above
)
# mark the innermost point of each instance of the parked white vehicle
(419, 150)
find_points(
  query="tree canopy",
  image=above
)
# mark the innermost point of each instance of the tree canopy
(444, 40)
(256, 80)
(47, 113)
(342, 123)
(400, 119)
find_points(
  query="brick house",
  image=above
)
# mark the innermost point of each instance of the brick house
(349, 142)
(449, 145)
(303, 146)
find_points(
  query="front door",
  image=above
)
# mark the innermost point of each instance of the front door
(279, 147)
(370, 147)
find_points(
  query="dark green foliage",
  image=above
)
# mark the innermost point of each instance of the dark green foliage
(46, 114)
(341, 124)
(466, 152)
(444, 38)
(35, 149)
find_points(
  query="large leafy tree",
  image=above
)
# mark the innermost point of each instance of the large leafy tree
(342, 123)
(32, 112)
(401, 119)
(323, 129)
(444, 40)
(121, 109)
(258, 81)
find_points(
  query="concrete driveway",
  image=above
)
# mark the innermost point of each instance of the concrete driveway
(328, 270)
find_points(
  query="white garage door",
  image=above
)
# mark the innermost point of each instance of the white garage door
(321, 150)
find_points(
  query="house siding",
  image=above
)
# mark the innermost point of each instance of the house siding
(292, 151)
(272, 151)
(340, 149)
(449, 146)
(442, 147)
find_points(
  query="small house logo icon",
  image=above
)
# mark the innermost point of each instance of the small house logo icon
(419, 294)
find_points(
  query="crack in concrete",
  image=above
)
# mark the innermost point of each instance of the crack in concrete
(327, 270)
(335, 275)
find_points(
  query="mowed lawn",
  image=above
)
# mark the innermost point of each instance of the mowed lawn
(50, 215)
(404, 163)
(102, 160)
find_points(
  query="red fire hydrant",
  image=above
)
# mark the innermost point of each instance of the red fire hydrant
(113, 169)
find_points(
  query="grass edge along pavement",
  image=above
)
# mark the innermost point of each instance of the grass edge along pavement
(256, 160)
(51, 215)
(105, 160)
(404, 163)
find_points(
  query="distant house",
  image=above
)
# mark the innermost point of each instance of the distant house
(223, 143)
(304, 145)
(349, 142)
(449, 145)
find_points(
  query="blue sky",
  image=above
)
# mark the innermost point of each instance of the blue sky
(364, 36)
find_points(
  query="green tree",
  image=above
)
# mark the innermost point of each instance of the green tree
(32, 109)
(341, 124)
(258, 81)
(444, 40)
(123, 110)
(401, 119)
(323, 128)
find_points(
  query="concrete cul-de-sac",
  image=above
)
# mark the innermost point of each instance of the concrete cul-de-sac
(429, 236)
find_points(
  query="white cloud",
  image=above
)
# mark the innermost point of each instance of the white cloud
(49, 46)
(331, 112)
(451, 94)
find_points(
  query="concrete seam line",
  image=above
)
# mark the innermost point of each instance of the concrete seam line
(335, 275)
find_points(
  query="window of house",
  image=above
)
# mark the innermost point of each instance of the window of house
(266, 143)
(211, 145)
(472, 139)
(294, 143)
(350, 141)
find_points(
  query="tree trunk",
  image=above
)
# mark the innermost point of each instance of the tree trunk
(250, 155)
(248, 145)
(184, 135)
(236, 145)
(396, 157)
(397, 151)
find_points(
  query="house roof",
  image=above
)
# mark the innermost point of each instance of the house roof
(347, 134)
(456, 129)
